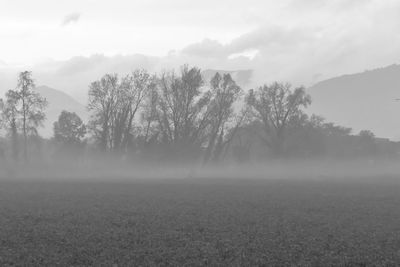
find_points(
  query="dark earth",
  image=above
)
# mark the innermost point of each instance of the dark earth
(190, 222)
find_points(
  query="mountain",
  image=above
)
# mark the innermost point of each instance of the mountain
(364, 100)
(58, 101)
(241, 77)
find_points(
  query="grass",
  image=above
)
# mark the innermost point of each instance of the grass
(200, 222)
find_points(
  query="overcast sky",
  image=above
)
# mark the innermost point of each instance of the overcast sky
(295, 40)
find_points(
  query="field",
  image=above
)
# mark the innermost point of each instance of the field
(196, 222)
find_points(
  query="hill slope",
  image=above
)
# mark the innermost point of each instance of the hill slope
(361, 101)
(58, 101)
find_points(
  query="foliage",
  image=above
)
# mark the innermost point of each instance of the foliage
(69, 129)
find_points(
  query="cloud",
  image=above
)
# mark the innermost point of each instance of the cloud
(271, 37)
(306, 40)
(310, 37)
(206, 48)
(330, 5)
(70, 18)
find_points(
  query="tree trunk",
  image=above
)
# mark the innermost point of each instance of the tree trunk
(14, 139)
(24, 130)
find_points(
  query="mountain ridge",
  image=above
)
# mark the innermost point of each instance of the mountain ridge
(364, 100)
(58, 101)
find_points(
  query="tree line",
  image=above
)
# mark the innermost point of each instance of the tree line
(175, 116)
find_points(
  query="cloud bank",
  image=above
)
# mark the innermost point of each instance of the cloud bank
(301, 41)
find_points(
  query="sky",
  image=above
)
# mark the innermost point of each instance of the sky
(69, 43)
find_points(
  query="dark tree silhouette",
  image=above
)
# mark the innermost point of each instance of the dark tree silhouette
(131, 96)
(103, 103)
(225, 92)
(9, 117)
(114, 104)
(182, 112)
(278, 108)
(69, 128)
(25, 108)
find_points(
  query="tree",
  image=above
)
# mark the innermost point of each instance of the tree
(278, 108)
(102, 104)
(225, 93)
(2, 120)
(131, 95)
(2, 124)
(149, 117)
(26, 108)
(366, 144)
(69, 128)
(331, 129)
(367, 135)
(114, 104)
(9, 114)
(182, 112)
(32, 107)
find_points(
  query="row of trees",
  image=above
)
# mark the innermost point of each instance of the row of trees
(173, 116)
(178, 113)
(187, 118)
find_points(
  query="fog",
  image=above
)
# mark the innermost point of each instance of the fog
(112, 171)
(183, 124)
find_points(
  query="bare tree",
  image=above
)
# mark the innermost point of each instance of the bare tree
(225, 92)
(27, 106)
(103, 103)
(278, 108)
(9, 116)
(149, 116)
(114, 104)
(133, 91)
(182, 110)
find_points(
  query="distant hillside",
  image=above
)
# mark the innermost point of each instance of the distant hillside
(59, 101)
(361, 101)
(241, 77)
